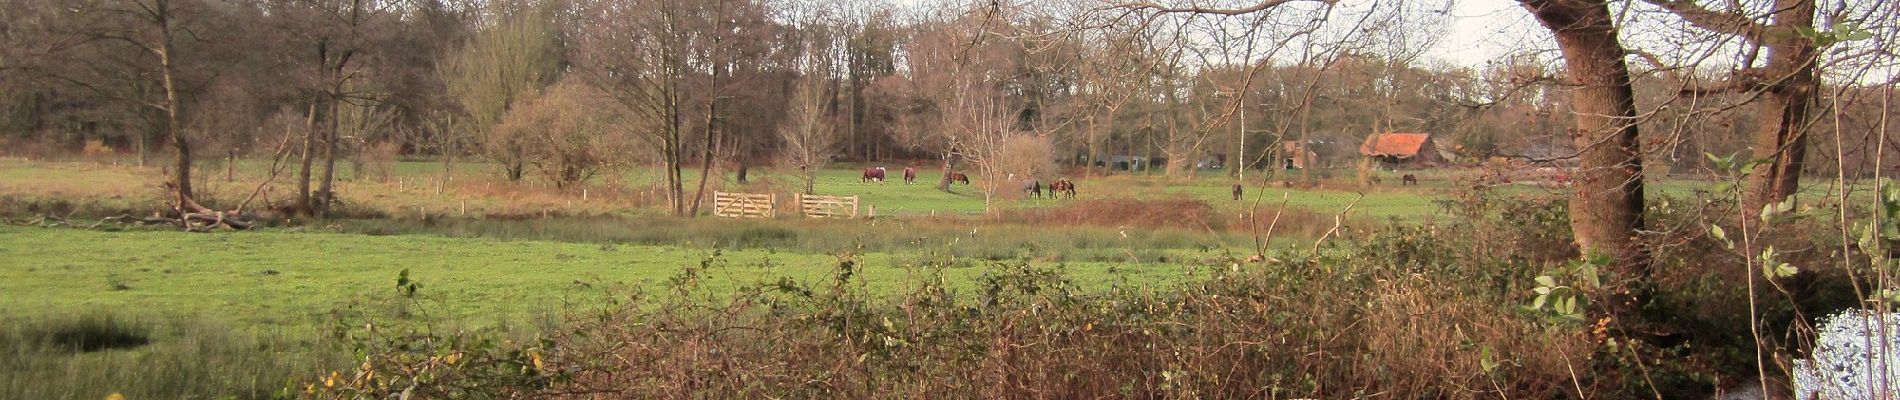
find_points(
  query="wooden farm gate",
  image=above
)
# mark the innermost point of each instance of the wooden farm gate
(744, 205)
(816, 206)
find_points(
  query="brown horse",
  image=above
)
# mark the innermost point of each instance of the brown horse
(1408, 179)
(1033, 188)
(1062, 187)
(873, 174)
(910, 175)
(959, 177)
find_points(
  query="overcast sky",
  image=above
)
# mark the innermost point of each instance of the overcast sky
(1482, 30)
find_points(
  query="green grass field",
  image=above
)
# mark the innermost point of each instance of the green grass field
(212, 303)
(289, 279)
(249, 312)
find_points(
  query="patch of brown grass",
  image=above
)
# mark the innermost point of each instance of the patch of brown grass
(1166, 213)
(1175, 213)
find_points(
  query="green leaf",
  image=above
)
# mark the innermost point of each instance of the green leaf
(1546, 281)
(1785, 270)
(1539, 302)
(1485, 359)
(1718, 233)
(1542, 290)
(1867, 234)
(1719, 163)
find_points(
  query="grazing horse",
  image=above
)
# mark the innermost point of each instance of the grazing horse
(1408, 179)
(1062, 187)
(910, 175)
(959, 177)
(1033, 188)
(874, 174)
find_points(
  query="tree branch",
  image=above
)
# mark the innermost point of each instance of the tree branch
(1263, 5)
(1717, 21)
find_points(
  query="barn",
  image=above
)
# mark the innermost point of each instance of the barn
(1297, 155)
(1402, 149)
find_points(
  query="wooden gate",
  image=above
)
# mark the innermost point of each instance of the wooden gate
(744, 205)
(816, 206)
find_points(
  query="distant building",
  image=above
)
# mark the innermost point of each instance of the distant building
(1402, 149)
(1295, 155)
(1123, 162)
(1215, 161)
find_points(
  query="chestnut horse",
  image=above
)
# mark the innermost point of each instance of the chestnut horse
(1062, 187)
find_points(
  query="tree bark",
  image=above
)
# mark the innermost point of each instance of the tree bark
(167, 58)
(675, 190)
(325, 189)
(308, 159)
(1606, 207)
(1781, 136)
(944, 184)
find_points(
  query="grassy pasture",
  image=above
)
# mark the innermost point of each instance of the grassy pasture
(290, 279)
(245, 312)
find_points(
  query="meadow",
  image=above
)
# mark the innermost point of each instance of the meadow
(150, 312)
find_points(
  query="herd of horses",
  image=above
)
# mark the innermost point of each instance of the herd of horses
(1059, 188)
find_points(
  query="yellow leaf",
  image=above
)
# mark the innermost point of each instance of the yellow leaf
(451, 358)
(115, 396)
(536, 357)
(330, 381)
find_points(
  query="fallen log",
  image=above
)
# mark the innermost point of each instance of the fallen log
(217, 218)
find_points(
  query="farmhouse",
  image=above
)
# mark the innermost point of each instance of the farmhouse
(1402, 149)
(1297, 155)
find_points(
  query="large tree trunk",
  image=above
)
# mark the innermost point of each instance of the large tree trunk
(675, 190)
(1606, 208)
(325, 189)
(740, 173)
(1094, 144)
(711, 145)
(448, 169)
(706, 156)
(944, 183)
(1781, 134)
(167, 68)
(304, 205)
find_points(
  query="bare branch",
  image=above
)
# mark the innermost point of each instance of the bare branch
(1717, 21)
(1263, 5)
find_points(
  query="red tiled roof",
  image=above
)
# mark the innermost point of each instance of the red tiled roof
(1394, 144)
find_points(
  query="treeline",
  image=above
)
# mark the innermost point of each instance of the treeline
(558, 90)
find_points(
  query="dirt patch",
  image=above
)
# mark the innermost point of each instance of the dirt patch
(1165, 213)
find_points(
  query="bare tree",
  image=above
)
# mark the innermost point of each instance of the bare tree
(333, 41)
(511, 60)
(809, 138)
(1786, 86)
(148, 31)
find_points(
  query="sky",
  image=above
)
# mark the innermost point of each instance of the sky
(1479, 31)
(1482, 30)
